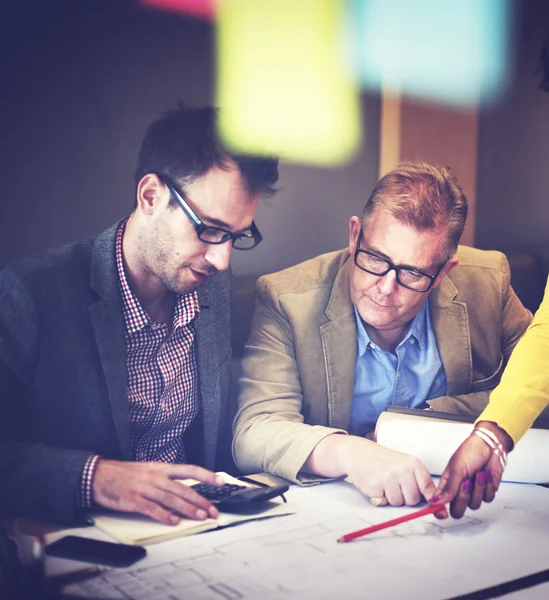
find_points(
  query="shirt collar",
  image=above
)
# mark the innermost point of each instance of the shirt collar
(135, 317)
(363, 339)
(418, 329)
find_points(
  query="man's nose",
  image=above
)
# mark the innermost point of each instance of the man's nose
(388, 283)
(218, 255)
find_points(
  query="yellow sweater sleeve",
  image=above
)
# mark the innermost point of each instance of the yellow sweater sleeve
(524, 388)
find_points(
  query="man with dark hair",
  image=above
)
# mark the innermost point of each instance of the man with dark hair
(399, 317)
(114, 352)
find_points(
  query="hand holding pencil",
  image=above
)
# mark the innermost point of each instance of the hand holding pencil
(473, 473)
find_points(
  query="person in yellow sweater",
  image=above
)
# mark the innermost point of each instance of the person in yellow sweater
(474, 471)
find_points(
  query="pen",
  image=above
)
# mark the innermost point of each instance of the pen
(259, 484)
(415, 515)
(253, 481)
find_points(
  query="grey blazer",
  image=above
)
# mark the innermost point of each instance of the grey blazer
(63, 376)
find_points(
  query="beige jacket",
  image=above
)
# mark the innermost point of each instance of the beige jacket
(298, 371)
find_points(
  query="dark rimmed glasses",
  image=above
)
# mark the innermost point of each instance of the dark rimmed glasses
(407, 277)
(243, 240)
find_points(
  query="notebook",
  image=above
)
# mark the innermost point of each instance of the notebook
(134, 529)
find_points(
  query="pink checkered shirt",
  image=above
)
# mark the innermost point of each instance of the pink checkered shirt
(162, 379)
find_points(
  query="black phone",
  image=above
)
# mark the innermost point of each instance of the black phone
(95, 551)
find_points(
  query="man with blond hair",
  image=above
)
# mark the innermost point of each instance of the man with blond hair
(402, 316)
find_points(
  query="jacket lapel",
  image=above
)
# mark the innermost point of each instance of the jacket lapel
(208, 373)
(108, 326)
(339, 347)
(451, 325)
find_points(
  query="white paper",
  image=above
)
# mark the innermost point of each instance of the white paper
(298, 556)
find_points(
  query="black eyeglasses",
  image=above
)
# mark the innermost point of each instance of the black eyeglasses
(243, 240)
(407, 277)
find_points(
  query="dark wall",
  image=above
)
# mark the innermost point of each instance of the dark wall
(85, 77)
(513, 167)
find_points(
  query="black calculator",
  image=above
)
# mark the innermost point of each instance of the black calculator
(231, 497)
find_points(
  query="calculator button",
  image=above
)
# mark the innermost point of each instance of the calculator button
(214, 493)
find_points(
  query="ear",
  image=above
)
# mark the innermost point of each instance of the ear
(452, 262)
(151, 193)
(354, 229)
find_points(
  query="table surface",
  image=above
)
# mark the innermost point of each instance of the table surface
(298, 555)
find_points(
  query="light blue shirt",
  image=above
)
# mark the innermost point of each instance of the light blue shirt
(408, 379)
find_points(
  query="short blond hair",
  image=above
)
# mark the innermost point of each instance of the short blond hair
(423, 196)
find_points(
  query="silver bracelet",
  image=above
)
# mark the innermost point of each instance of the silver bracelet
(490, 439)
(494, 439)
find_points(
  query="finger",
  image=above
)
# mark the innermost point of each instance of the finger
(155, 511)
(461, 500)
(478, 489)
(188, 493)
(450, 484)
(425, 483)
(491, 487)
(376, 495)
(440, 496)
(155, 482)
(379, 500)
(442, 513)
(438, 499)
(393, 493)
(410, 490)
(124, 486)
(432, 493)
(136, 503)
(181, 498)
(194, 472)
(496, 471)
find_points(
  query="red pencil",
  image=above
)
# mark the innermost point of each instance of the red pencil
(415, 515)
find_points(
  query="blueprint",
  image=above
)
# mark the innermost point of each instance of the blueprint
(297, 556)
